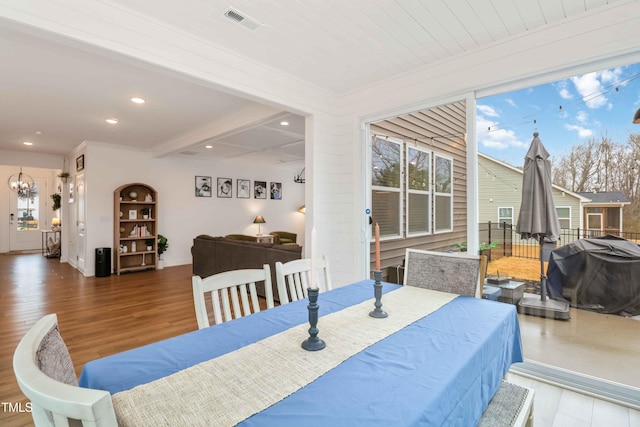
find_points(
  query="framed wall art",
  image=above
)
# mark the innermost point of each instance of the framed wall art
(80, 163)
(203, 186)
(244, 189)
(276, 191)
(225, 187)
(259, 189)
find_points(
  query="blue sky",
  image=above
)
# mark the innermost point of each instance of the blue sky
(566, 113)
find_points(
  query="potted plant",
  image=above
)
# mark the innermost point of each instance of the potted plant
(485, 248)
(163, 245)
(63, 176)
(149, 243)
(145, 212)
(56, 201)
(461, 246)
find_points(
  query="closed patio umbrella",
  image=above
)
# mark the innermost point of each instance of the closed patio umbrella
(538, 219)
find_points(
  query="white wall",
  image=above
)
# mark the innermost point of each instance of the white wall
(181, 215)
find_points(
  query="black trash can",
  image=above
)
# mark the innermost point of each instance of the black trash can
(103, 262)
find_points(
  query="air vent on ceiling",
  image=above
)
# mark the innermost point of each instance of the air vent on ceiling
(240, 18)
(189, 153)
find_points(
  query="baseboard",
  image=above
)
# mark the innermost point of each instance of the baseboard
(597, 387)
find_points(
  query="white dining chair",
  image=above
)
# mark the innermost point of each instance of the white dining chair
(225, 288)
(294, 277)
(456, 272)
(45, 374)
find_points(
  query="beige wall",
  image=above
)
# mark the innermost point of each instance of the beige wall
(440, 130)
(501, 186)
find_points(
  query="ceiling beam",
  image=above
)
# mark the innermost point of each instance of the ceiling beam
(238, 121)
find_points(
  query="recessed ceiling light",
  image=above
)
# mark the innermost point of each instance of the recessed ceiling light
(208, 146)
(38, 132)
(138, 100)
(112, 121)
(28, 143)
(284, 123)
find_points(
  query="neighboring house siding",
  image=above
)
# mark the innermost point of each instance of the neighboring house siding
(446, 125)
(501, 186)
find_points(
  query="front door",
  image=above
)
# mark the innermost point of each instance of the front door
(27, 216)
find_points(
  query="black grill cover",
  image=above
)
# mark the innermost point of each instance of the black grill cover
(600, 274)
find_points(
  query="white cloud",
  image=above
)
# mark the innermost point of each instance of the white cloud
(582, 132)
(590, 89)
(610, 76)
(592, 86)
(497, 138)
(488, 110)
(563, 91)
(582, 116)
(510, 102)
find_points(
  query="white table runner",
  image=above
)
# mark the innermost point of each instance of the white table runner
(228, 389)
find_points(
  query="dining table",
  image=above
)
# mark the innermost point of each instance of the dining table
(437, 359)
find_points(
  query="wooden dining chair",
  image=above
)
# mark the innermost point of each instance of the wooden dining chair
(456, 272)
(294, 277)
(230, 288)
(45, 374)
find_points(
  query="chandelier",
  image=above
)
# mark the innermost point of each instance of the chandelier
(22, 184)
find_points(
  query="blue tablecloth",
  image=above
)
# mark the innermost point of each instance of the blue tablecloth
(440, 370)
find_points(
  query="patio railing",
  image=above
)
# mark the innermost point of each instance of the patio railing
(509, 242)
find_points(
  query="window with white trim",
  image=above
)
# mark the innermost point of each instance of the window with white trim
(564, 216)
(418, 185)
(386, 185)
(443, 193)
(505, 215)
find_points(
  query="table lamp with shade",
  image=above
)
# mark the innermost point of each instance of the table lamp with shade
(259, 220)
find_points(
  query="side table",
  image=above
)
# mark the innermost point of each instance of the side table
(512, 292)
(267, 238)
(51, 243)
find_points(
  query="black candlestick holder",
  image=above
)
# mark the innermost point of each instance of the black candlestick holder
(313, 343)
(378, 313)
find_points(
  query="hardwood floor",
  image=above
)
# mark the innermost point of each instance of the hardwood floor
(99, 316)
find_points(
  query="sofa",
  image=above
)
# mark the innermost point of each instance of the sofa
(283, 237)
(212, 255)
(244, 237)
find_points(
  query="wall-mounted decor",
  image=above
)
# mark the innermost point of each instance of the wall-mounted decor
(80, 163)
(244, 189)
(72, 190)
(260, 189)
(225, 187)
(276, 191)
(203, 186)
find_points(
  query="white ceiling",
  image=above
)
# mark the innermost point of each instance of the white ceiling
(66, 90)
